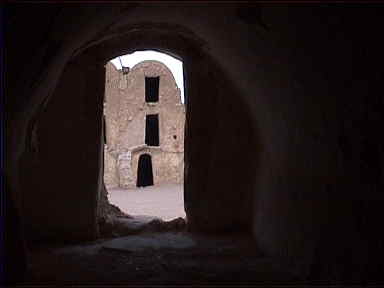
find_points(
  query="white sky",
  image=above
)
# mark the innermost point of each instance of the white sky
(175, 65)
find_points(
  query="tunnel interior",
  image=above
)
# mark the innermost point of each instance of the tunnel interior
(294, 90)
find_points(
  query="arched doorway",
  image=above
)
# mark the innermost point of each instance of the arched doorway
(144, 171)
(148, 126)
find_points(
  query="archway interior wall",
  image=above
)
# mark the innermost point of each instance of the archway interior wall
(60, 177)
(74, 115)
(218, 185)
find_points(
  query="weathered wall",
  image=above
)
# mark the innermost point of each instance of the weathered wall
(219, 135)
(312, 189)
(112, 109)
(125, 112)
(166, 166)
(111, 178)
(63, 129)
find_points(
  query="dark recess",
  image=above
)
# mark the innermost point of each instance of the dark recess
(144, 171)
(152, 130)
(152, 89)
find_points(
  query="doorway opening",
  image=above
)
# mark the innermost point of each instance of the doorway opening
(144, 171)
(144, 126)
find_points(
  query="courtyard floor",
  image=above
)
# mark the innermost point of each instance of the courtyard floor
(164, 201)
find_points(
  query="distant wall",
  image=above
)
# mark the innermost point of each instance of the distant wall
(125, 112)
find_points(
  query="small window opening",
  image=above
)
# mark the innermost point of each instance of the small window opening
(152, 89)
(174, 137)
(152, 130)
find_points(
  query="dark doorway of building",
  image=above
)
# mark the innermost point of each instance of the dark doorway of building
(152, 130)
(144, 171)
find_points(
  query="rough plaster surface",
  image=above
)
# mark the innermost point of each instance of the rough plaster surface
(125, 111)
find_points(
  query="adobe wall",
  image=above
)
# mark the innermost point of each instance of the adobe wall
(125, 112)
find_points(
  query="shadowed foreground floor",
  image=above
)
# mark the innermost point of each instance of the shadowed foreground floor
(155, 258)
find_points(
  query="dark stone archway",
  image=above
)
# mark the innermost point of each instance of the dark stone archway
(306, 85)
(82, 81)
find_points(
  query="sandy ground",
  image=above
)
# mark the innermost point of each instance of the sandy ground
(165, 201)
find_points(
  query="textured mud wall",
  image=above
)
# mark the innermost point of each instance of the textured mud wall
(315, 109)
(167, 167)
(125, 112)
(112, 110)
(111, 162)
(62, 200)
(219, 135)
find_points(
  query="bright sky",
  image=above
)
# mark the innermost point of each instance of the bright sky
(175, 65)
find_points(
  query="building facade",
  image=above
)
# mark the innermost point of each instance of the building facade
(144, 127)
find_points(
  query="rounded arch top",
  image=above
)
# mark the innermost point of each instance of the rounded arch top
(161, 65)
(166, 62)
